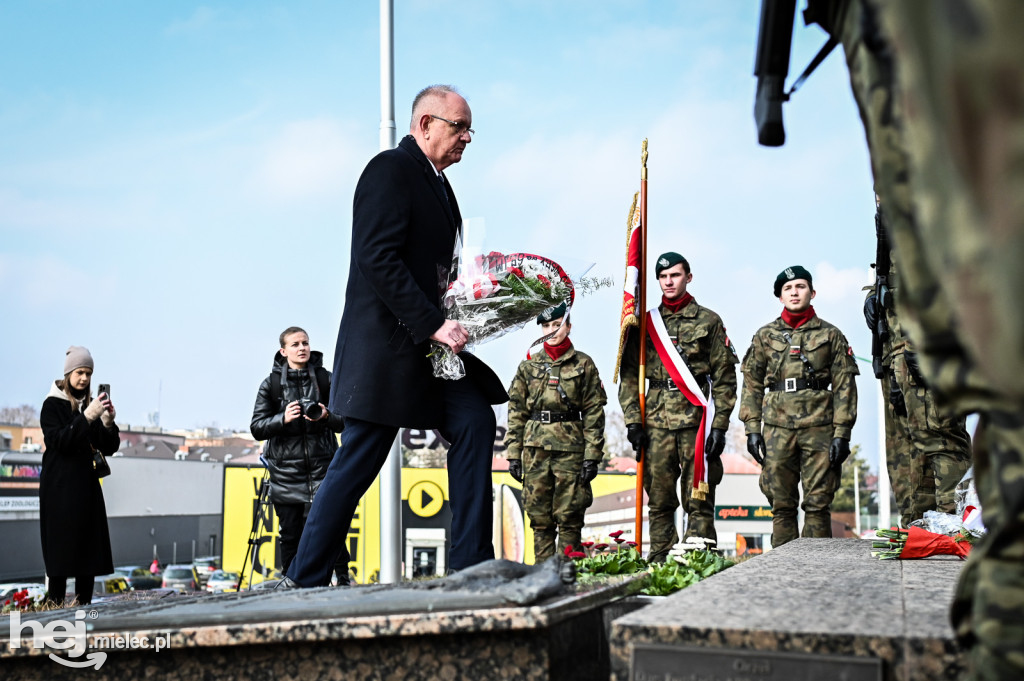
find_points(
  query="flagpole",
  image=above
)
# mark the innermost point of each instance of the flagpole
(642, 308)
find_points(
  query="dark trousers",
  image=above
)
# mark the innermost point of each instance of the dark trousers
(291, 519)
(58, 589)
(469, 425)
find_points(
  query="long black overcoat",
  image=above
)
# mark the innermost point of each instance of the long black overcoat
(72, 515)
(403, 237)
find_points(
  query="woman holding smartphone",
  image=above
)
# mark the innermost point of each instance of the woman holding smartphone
(72, 515)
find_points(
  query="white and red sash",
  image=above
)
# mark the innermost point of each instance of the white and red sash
(688, 386)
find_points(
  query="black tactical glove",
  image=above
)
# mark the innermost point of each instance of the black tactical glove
(515, 469)
(638, 438)
(715, 444)
(871, 311)
(914, 368)
(756, 447)
(899, 405)
(588, 471)
(838, 452)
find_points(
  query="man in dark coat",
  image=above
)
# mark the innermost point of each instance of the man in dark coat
(404, 227)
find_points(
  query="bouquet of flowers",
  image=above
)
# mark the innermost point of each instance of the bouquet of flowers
(495, 294)
(920, 543)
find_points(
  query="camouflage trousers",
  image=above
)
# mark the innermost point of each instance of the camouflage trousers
(556, 499)
(795, 456)
(899, 452)
(949, 166)
(941, 452)
(669, 456)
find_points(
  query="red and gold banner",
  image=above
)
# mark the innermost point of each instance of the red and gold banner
(630, 294)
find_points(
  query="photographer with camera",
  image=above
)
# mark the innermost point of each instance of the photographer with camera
(299, 432)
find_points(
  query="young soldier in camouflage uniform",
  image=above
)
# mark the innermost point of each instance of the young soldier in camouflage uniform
(669, 438)
(555, 435)
(931, 449)
(806, 426)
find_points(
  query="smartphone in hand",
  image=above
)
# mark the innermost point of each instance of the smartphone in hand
(103, 388)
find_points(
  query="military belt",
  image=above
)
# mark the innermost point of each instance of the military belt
(556, 416)
(670, 385)
(791, 385)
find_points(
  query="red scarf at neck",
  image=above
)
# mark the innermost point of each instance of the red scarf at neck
(677, 305)
(798, 319)
(556, 351)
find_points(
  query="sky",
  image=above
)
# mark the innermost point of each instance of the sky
(176, 179)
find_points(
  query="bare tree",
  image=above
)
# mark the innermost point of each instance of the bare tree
(615, 442)
(23, 415)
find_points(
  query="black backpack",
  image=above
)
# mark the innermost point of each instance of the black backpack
(323, 385)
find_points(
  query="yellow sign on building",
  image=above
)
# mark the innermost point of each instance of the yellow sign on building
(247, 522)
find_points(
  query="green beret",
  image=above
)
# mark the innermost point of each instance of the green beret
(666, 260)
(789, 274)
(551, 314)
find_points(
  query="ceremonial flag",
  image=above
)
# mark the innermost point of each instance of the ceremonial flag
(631, 289)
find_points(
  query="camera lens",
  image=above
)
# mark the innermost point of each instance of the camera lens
(312, 410)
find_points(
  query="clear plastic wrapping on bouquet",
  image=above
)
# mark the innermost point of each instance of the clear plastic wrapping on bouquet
(967, 517)
(940, 523)
(966, 495)
(493, 294)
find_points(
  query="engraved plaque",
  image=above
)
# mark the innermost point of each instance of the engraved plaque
(678, 663)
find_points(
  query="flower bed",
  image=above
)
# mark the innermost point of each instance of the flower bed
(688, 563)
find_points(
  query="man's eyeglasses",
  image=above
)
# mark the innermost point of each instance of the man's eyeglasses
(458, 127)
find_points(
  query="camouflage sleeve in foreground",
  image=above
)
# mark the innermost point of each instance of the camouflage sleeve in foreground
(752, 398)
(723, 376)
(629, 379)
(517, 415)
(594, 399)
(844, 386)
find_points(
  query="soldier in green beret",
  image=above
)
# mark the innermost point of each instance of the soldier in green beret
(555, 435)
(698, 335)
(798, 379)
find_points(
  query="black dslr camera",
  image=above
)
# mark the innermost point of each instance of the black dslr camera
(310, 408)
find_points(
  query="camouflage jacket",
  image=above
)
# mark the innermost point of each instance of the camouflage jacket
(898, 341)
(534, 389)
(699, 336)
(773, 359)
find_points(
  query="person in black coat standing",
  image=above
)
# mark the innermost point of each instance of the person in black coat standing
(405, 221)
(299, 446)
(72, 515)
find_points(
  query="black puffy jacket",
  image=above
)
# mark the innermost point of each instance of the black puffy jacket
(297, 453)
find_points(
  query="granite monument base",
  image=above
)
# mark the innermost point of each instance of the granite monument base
(328, 633)
(812, 609)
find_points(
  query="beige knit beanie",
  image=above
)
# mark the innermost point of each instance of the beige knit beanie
(76, 357)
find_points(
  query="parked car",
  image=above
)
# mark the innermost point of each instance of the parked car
(221, 581)
(139, 577)
(109, 585)
(183, 578)
(205, 566)
(7, 591)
